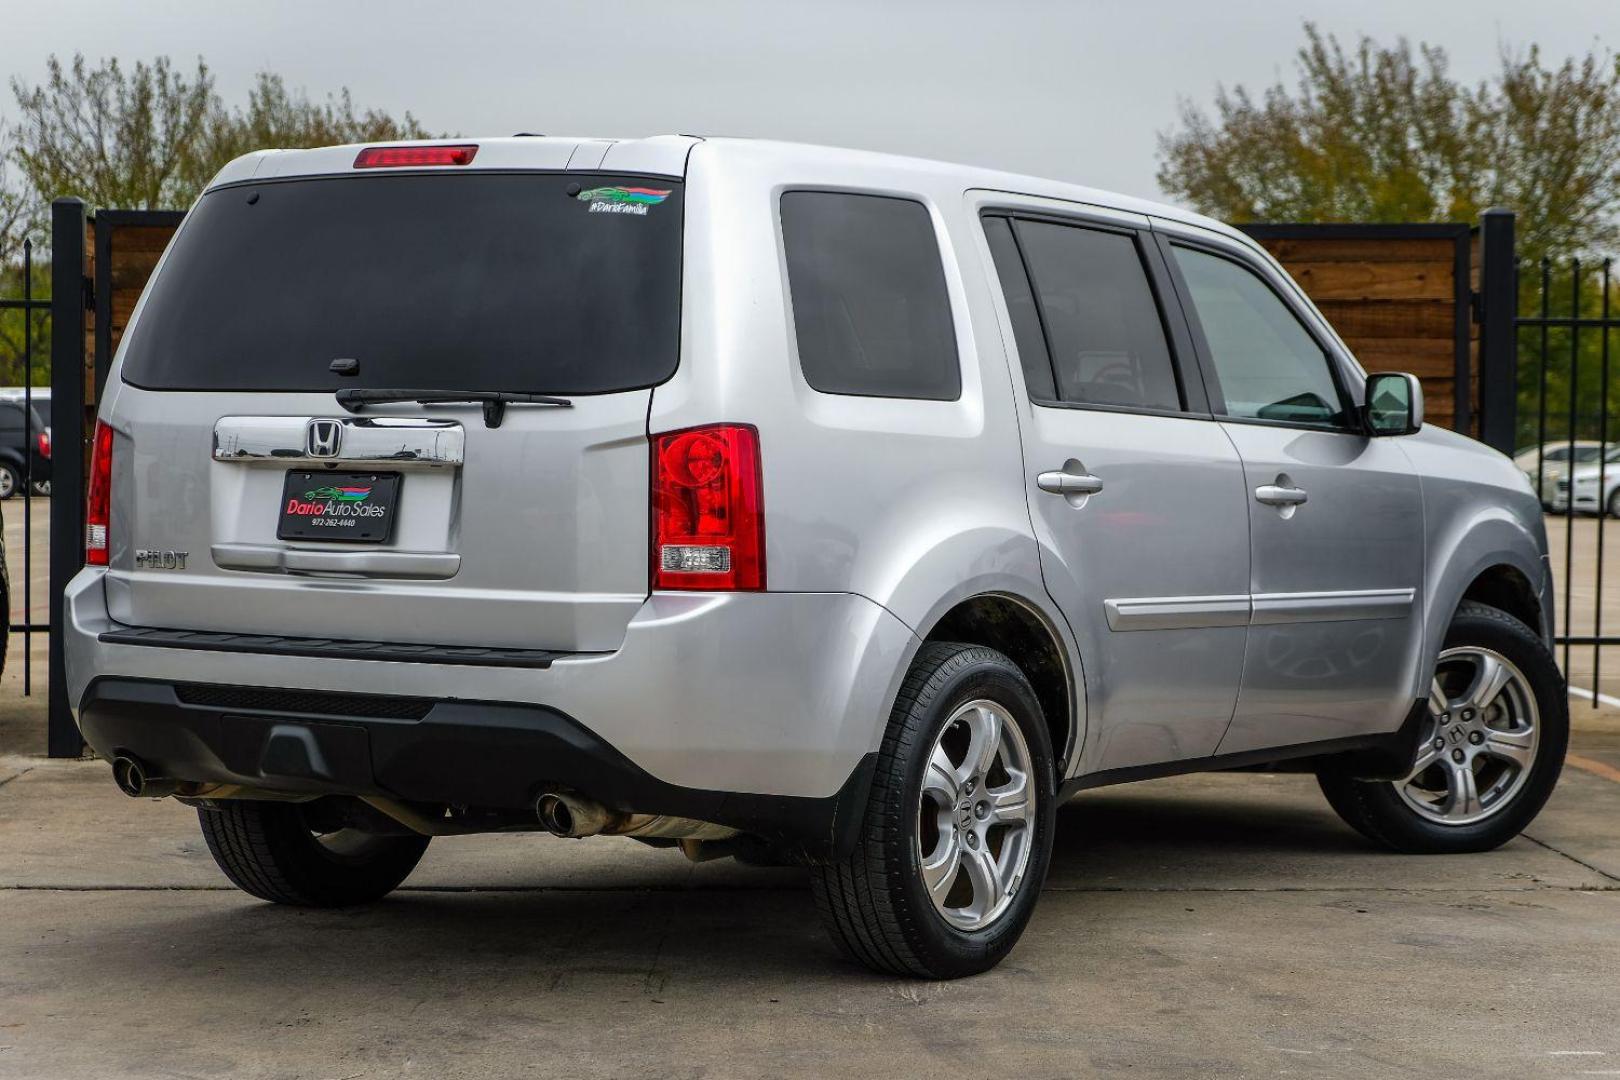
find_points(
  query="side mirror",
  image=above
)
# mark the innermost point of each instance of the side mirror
(1394, 403)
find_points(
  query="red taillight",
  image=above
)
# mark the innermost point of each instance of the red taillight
(98, 505)
(708, 509)
(45, 443)
(405, 157)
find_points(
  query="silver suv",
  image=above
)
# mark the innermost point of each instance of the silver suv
(795, 504)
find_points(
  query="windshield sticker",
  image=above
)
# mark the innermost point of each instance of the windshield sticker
(622, 200)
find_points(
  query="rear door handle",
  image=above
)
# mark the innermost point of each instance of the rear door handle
(1063, 482)
(1278, 495)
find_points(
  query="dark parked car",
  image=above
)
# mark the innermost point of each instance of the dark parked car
(18, 441)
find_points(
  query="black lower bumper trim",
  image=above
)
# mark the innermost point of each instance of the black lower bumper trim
(486, 755)
(328, 648)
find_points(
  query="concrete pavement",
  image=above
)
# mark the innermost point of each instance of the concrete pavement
(1215, 925)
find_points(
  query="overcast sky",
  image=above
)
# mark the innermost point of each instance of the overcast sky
(1075, 91)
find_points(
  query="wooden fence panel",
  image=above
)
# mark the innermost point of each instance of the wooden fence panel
(1399, 297)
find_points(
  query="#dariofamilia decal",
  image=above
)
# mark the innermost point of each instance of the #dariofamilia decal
(622, 200)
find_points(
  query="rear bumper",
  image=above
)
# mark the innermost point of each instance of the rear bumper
(491, 755)
(769, 694)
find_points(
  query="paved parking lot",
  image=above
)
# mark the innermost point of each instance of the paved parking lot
(1216, 925)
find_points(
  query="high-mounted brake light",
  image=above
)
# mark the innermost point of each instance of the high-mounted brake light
(405, 157)
(708, 509)
(99, 504)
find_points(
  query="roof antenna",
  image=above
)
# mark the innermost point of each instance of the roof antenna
(528, 135)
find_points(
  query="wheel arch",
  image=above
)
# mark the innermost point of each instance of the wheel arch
(1504, 587)
(1031, 639)
(1495, 563)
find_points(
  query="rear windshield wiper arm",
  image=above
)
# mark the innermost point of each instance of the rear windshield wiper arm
(494, 401)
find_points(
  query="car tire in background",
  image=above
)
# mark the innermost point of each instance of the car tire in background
(1492, 746)
(11, 480)
(269, 850)
(957, 833)
(1613, 506)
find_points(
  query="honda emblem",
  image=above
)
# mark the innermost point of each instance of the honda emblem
(323, 437)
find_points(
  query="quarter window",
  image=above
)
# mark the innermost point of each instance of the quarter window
(870, 310)
(1104, 338)
(1268, 366)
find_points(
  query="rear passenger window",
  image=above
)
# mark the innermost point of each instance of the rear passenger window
(870, 309)
(1103, 331)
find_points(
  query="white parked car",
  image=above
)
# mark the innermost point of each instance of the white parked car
(1596, 485)
(1549, 463)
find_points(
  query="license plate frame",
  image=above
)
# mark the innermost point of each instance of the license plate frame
(349, 499)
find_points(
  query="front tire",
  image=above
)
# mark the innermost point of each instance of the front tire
(1492, 746)
(957, 834)
(268, 850)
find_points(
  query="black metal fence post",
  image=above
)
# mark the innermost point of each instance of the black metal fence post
(28, 468)
(67, 450)
(1498, 337)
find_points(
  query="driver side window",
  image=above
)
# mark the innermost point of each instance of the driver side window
(1268, 366)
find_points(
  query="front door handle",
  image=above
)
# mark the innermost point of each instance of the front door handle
(1064, 482)
(1279, 495)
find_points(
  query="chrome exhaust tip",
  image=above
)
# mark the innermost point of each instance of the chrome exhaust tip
(135, 780)
(564, 814)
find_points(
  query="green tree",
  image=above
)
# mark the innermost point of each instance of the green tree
(147, 136)
(113, 137)
(276, 117)
(16, 217)
(1385, 133)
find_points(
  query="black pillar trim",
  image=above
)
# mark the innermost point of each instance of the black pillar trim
(1498, 337)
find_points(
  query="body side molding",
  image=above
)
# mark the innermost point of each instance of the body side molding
(1259, 609)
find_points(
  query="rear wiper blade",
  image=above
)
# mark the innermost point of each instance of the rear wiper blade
(494, 401)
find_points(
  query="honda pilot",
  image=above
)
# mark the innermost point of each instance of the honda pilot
(802, 505)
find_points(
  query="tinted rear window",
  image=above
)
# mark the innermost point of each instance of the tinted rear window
(870, 309)
(1107, 341)
(464, 282)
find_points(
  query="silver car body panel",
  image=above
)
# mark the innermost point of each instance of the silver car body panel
(883, 515)
(757, 724)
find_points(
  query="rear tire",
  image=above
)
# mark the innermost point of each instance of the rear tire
(1470, 745)
(992, 812)
(11, 480)
(269, 851)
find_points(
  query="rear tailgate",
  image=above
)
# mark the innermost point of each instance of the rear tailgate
(399, 522)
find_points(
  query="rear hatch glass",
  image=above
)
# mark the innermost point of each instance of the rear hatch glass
(541, 283)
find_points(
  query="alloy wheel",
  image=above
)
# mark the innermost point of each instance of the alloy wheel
(1479, 742)
(976, 816)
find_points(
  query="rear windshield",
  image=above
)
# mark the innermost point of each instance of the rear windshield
(534, 282)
